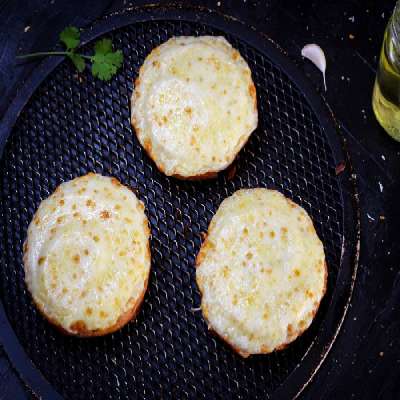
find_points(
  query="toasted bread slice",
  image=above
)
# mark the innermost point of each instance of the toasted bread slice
(261, 271)
(87, 256)
(194, 106)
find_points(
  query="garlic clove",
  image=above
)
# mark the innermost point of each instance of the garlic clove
(316, 55)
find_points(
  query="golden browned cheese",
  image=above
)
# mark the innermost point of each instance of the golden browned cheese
(87, 257)
(194, 106)
(261, 271)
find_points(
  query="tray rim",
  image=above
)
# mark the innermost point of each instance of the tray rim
(17, 355)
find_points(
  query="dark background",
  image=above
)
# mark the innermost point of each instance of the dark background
(364, 362)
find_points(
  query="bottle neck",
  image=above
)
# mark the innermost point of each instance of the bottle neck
(392, 38)
(394, 24)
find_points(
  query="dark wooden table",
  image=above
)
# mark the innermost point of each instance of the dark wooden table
(364, 362)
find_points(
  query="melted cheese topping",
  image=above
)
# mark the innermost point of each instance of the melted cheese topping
(86, 255)
(194, 105)
(261, 271)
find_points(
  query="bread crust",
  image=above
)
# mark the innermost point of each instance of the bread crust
(80, 327)
(148, 149)
(293, 337)
(299, 332)
(206, 175)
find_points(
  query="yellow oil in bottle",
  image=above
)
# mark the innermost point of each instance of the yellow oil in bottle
(386, 95)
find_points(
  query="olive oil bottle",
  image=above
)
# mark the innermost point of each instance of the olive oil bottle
(386, 95)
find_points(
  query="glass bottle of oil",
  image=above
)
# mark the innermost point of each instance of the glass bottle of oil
(386, 95)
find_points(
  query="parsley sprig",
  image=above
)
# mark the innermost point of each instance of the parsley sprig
(105, 61)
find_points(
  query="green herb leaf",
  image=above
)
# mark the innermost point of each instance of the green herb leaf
(103, 46)
(105, 61)
(70, 36)
(78, 61)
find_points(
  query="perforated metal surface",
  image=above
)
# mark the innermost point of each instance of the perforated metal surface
(75, 124)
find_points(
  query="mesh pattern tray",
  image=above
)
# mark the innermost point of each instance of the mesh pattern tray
(76, 124)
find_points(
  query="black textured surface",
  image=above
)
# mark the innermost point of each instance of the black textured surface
(74, 124)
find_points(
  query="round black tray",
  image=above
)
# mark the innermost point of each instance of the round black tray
(62, 125)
